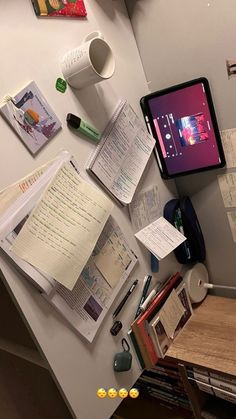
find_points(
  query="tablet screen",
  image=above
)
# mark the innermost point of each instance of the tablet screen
(186, 130)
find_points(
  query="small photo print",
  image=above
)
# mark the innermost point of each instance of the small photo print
(31, 117)
(163, 341)
(93, 308)
(192, 129)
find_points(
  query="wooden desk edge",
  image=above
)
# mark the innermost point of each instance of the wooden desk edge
(226, 309)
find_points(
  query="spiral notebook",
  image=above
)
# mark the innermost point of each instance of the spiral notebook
(122, 155)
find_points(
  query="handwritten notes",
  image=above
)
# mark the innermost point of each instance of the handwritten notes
(160, 238)
(125, 151)
(61, 232)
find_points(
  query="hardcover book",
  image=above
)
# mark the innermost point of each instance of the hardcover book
(31, 117)
(63, 8)
(140, 325)
(158, 334)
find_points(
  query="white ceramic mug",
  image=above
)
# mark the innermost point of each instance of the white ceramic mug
(90, 63)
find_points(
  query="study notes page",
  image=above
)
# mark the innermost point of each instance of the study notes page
(123, 155)
(62, 230)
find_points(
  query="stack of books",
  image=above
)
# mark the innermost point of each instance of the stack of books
(149, 334)
(219, 385)
(163, 382)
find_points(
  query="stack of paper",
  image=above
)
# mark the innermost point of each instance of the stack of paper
(57, 229)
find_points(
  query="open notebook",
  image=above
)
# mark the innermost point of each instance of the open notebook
(57, 229)
(122, 155)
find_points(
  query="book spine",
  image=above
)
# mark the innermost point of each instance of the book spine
(218, 392)
(204, 378)
(136, 349)
(202, 386)
(223, 385)
(223, 378)
(145, 355)
(217, 380)
(140, 328)
(230, 397)
(148, 343)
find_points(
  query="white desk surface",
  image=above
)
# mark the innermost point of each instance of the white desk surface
(31, 49)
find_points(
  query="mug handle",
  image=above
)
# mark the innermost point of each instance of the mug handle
(92, 35)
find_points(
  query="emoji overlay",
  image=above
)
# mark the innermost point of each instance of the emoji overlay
(112, 393)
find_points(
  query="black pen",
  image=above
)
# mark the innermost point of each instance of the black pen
(122, 303)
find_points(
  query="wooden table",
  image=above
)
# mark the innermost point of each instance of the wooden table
(208, 341)
(209, 338)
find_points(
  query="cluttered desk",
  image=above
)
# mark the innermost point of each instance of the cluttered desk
(32, 71)
(86, 254)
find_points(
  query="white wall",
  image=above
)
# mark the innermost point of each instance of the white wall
(179, 40)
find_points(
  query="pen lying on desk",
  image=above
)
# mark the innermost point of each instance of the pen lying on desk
(122, 303)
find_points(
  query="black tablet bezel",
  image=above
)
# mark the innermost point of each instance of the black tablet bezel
(144, 103)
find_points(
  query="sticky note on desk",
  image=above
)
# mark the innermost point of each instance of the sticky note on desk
(160, 238)
(171, 313)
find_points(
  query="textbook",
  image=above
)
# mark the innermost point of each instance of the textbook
(140, 325)
(57, 229)
(157, 332)
(122, 154)
(61, 8)
(31, 117)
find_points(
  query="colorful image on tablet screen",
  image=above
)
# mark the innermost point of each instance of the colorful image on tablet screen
(185, 130)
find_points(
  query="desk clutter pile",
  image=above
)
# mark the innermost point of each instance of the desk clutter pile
(155, 328)
(58, 229)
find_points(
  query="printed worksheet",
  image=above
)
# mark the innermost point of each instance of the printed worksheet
(232, 223)
(12, 192)
(228, 138)
(145, 207)
(227, 184)
(113, 259)
(88, 303)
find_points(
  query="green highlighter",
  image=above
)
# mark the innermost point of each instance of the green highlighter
(83, 127)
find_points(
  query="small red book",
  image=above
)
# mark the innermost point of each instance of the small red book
(139, 328)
